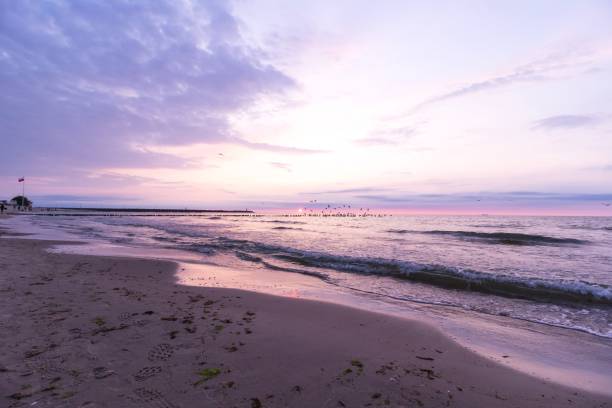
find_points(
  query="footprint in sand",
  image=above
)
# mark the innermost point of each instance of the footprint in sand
(161, 352)
(125, 316)
(151, 398)
(147, 372)
(142, 322)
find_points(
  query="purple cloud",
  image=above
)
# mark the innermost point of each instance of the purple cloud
(566, 122)
(542, 69)
(604, 167)
(486, 197)
(88, 84)
(275, 148)
(72, 200)
(118, 180)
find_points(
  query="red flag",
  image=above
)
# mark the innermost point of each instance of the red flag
(21, 179)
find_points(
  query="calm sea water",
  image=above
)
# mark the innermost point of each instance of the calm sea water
(552, 270)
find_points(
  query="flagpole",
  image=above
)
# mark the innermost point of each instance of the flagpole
(23, 193)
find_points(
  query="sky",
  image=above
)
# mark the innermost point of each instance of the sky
(457, 107)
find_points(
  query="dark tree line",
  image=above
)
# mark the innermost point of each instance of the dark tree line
(22, 201)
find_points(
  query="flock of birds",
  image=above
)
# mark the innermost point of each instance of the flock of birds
(314, 209)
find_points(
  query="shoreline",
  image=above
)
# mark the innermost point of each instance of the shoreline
(568, 357)
(269, 350)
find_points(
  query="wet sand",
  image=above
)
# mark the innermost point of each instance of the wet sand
(92, 331)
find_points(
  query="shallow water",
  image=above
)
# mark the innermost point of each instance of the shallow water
(552, 270)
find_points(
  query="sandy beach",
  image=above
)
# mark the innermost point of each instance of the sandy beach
(91, 331)
(308, 203)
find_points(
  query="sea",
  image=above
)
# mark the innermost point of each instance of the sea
(554, 271)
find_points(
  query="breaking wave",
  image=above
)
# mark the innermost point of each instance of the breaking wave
(437, 275)
(288, 228)
(506, 238)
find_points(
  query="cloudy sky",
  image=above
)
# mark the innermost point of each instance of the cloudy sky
(471, 106)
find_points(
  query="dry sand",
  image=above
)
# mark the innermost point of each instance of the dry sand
(85, 331)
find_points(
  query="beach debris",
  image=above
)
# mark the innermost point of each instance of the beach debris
(425, 358)
(104, 329)
(35, 350)
(54, 380)
(102, 372)
(383, 369)
(297, 388)
(196, 298)
(99, 321)
(256, 403)
(376, 395)
(207, 374)
(430, 373)
(48, 388)
(19, 395)
(499, 396)
(358, 364)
